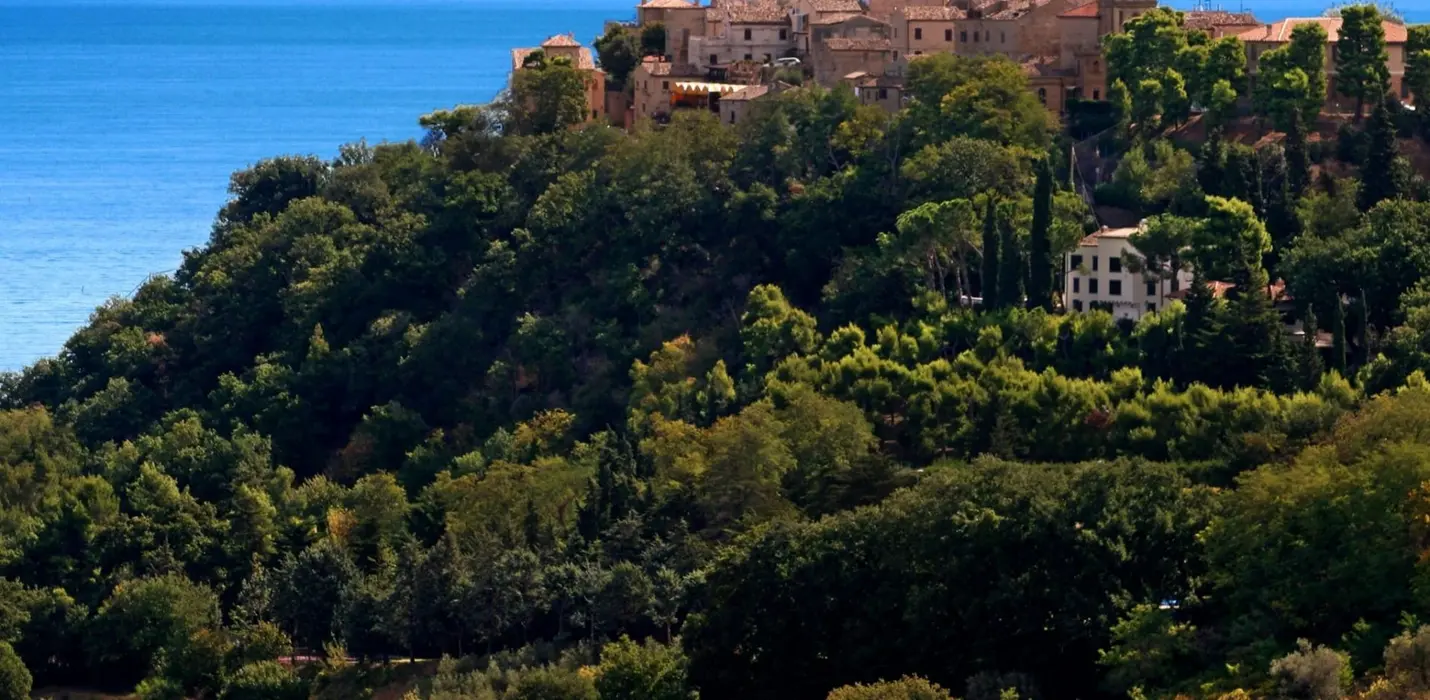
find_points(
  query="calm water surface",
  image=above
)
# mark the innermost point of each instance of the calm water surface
(120, 121)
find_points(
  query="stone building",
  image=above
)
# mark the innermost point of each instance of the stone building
(565, 46)
(757, 31)
(1264, 38)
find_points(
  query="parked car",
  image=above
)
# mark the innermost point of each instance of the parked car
(787, 62)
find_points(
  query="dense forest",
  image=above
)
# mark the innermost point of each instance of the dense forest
(701, 410)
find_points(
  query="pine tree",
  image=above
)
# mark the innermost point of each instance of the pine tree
(1010, 277)
(1255, 332)
(990, 256)
(1202, 334)
(1040, 253)
(1298, 161)
(1212, 173)
(1362, 69)
(1382, 177)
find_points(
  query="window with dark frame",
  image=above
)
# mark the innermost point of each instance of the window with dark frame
(1077, 285)
(948, 35)
(1092, 286)
(747, 35)
(1114, 288)
(1075, 261)
(1114, 264)
(963, 36)
(784, 34)
(918, 32)
(1077, 305)
(1151, 307)
(1151, 289)
(1094, 263)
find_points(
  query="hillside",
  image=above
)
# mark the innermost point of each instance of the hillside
(701, 410)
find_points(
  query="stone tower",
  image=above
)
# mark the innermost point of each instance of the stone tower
(1112, 14)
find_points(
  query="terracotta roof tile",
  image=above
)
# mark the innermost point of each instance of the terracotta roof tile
(666, 4)
(755, 13)
(835, 18)
(560, 41)
(839, 43)
(746, 94)
(1082, 11)
(585, 60)
(837, 6)
(1280, 32)
(922, 13)
(1206, 19)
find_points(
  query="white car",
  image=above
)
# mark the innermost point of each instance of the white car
(787, 62)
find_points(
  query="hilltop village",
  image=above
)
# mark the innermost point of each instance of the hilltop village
(724, 55)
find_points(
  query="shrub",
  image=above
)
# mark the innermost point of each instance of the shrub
(992, 686)
(551, 683)
(14, 677)
(906, 688)
(1407, 661)
(265, 680)
(1312, 673)
(650, 671)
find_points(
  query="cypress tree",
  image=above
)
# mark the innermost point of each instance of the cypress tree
(990, 256)
(1040, 251)
(1254, 329)
(1010, 277)
(1311, 367)
(1381, 176)
(1338, 335)
(1298, 161)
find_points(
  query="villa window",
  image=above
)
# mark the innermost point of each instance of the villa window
(747, 35)
(1077, 285)
(918, 33)
(963, 36)
(665, 84)
(883, 93)
(1075, 261)
(948, 35)
(1094, 263)
(1114, 288)
(1114, 264)
(1151, 307)
(784, 34)
(1077, 305)
(749, 57)
(975, 36)
(1151, 289)
(1092, 286)
(714, 59)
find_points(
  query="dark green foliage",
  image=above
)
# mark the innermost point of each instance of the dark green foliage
(1298, 162)
(1383, 175)
(1012, 264)
(991, 291)
(1040, 256)
(538, 385)
(618, 51)
(1361, 59)
(956, 536)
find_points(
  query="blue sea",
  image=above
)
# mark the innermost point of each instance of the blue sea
(121, 120)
